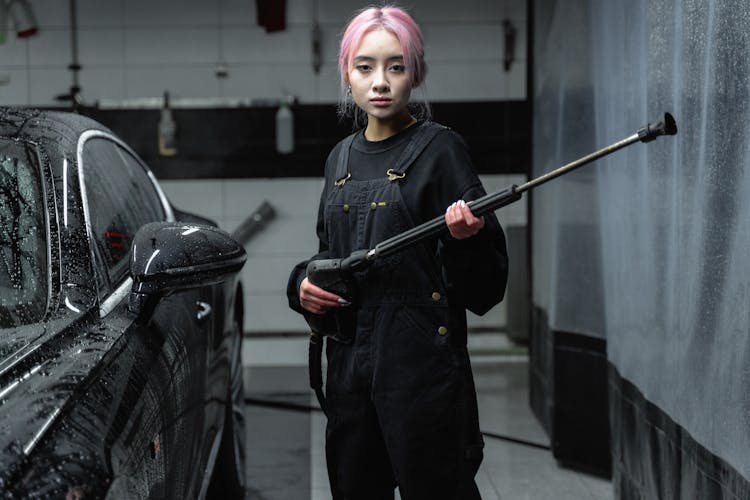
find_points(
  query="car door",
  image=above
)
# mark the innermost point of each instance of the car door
(161, 442)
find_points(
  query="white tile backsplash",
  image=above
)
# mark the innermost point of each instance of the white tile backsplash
(271, 313)
(515, 81)
(13, 53)
(16, 91)
(289, 237)
(102, 83)
(51, 14)
(202, 196)
(171, 45)
(166, 13)
(272, 81)
(486, 40)
(268, 275)
(467, 80)
(46, 83)
(449, 12)
(337, 12)
(189, 81)
(99, 13)
(101, 47)
(289, 196)
(516, 9)
(51, 47)
(237, 13)
(300, 11)
(252, 45)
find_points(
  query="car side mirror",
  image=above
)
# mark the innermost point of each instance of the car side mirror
(171, 256)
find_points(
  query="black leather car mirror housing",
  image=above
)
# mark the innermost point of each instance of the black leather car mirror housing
(169, 256)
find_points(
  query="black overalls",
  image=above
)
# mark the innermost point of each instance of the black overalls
(401, 403)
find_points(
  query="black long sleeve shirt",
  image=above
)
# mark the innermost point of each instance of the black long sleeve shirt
(475, 268)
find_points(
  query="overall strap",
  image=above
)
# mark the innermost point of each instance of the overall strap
(342, 166)
(419, 141)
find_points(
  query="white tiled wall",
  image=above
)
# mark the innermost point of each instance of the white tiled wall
(289, 238)
(140, 48)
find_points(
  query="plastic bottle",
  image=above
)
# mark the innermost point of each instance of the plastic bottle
(167, 130)
(284, 128)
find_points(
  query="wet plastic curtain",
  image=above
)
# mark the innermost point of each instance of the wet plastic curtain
(650, 247)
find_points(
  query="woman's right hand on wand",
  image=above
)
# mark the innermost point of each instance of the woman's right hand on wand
(461, 222)
(316, 300)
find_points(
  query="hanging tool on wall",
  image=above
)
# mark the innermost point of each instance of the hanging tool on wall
(221, 68)
(336, 275)
(316, 43)
(22, 15)
(510, 33)
(74, 94)
(3, 21)
(271, 14)
(255, 222)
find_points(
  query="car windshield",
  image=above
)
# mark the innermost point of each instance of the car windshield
(23, 237)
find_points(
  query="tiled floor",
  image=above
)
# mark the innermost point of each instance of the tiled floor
(285, 439)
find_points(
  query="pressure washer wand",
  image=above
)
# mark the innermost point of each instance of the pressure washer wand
(334, 275)
(493, 201)
(666, 126)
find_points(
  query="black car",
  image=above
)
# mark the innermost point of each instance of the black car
(120, 324)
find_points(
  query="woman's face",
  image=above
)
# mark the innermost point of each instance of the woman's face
(379, 79)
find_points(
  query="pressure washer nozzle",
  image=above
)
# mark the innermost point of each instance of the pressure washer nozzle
(666, 126)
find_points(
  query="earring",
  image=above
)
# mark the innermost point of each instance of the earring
(349, 90)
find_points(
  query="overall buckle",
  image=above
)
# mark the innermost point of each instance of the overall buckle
(394, 176)
(343, 180)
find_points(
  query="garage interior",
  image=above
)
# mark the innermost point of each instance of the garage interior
(615, 366)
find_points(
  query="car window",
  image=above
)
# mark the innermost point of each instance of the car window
(24, 282)
(121, 198)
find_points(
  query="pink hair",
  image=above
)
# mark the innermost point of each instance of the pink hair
(394, 20)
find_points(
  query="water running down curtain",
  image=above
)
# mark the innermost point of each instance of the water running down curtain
(648, 248)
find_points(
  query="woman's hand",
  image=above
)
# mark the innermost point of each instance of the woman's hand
(316, 300)
(461, 222)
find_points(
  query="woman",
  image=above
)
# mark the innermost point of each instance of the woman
(401, 402)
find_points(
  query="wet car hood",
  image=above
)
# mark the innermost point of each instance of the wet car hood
(42, 368)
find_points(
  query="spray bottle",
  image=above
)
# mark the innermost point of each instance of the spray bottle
(284, 127)
(167, 130)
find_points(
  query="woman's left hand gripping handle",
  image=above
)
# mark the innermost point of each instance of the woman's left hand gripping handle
(323, 288)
